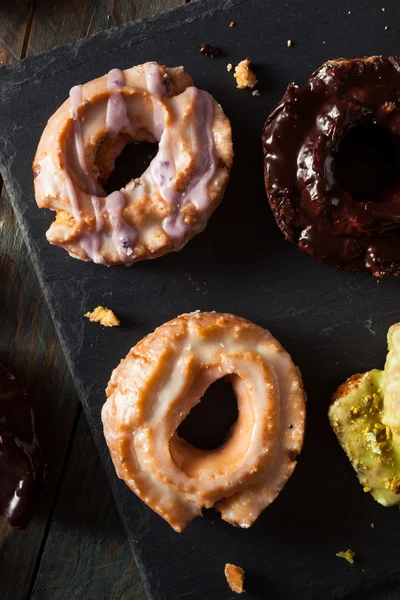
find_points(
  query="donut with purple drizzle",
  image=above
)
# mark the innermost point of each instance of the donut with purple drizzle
(161, 210)
(332, 165)
(21, 462)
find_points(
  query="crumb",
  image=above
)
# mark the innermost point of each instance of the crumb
(1, 223)
(289, 43)
(229, 67)
(104, 316)
(255, 93)
(234, 576)
(383, 9)
(232, 24)
(386, 27)
(349, 12)
(348, 555)
(210, 51)
(372, 525)
(323, 42)
(244, 75)
(64, 218)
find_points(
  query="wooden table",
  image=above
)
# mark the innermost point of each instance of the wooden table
(75, 547)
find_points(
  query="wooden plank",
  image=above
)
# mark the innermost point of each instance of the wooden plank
(109, 13)
(29, 346)
(86, 553)
(14, 18)
(56, 23)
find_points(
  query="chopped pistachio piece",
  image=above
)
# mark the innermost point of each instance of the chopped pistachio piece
(348, 555)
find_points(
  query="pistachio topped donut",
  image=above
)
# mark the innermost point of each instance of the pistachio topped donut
(332, 164)
(365, 415)
(158, 383)
(173, 199)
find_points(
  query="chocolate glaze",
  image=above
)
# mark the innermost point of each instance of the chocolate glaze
(303, 157)
(21, 466)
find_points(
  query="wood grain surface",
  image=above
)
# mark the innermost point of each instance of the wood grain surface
(75, 547)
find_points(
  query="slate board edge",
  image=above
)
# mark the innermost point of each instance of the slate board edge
(194, 10)
(111, 477)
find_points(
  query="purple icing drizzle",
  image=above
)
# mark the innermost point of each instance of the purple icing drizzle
(162, 167)
(123, 236)
(117, 118)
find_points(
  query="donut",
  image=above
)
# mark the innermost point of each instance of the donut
(21, 462)
(163, 377)
(365, 416)
(332, 165)
(173, 199)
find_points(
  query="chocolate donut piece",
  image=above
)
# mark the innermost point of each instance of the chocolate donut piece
(332, 165)
(21, 465)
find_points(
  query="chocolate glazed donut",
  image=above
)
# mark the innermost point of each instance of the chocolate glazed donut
(22, 469)
(332, 165)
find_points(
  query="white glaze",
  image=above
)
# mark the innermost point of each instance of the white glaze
(158, 383)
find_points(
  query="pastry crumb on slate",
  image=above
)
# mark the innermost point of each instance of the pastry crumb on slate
(244, 75)
(232, 24)
(289, 43)
(210, 51)
(229, 67)
(348, 555)
(104, 316)
(234, 576)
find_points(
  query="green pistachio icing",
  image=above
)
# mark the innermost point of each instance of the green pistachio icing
(365, 415)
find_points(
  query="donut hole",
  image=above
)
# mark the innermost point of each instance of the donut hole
(208, 424)
(118, 161)
(128, 164)
(367, 162)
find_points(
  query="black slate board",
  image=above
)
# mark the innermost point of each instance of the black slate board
(332, 323)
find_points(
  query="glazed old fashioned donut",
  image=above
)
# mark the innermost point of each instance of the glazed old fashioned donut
(332, 164)
(163, 377)
(173, 199)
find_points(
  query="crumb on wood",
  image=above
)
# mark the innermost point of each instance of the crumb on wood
(232, 24)
(104, 316)
(289, 43)
(229, 67)
(210, 51)
(244, 75)
(348, 555)
(234, 576)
